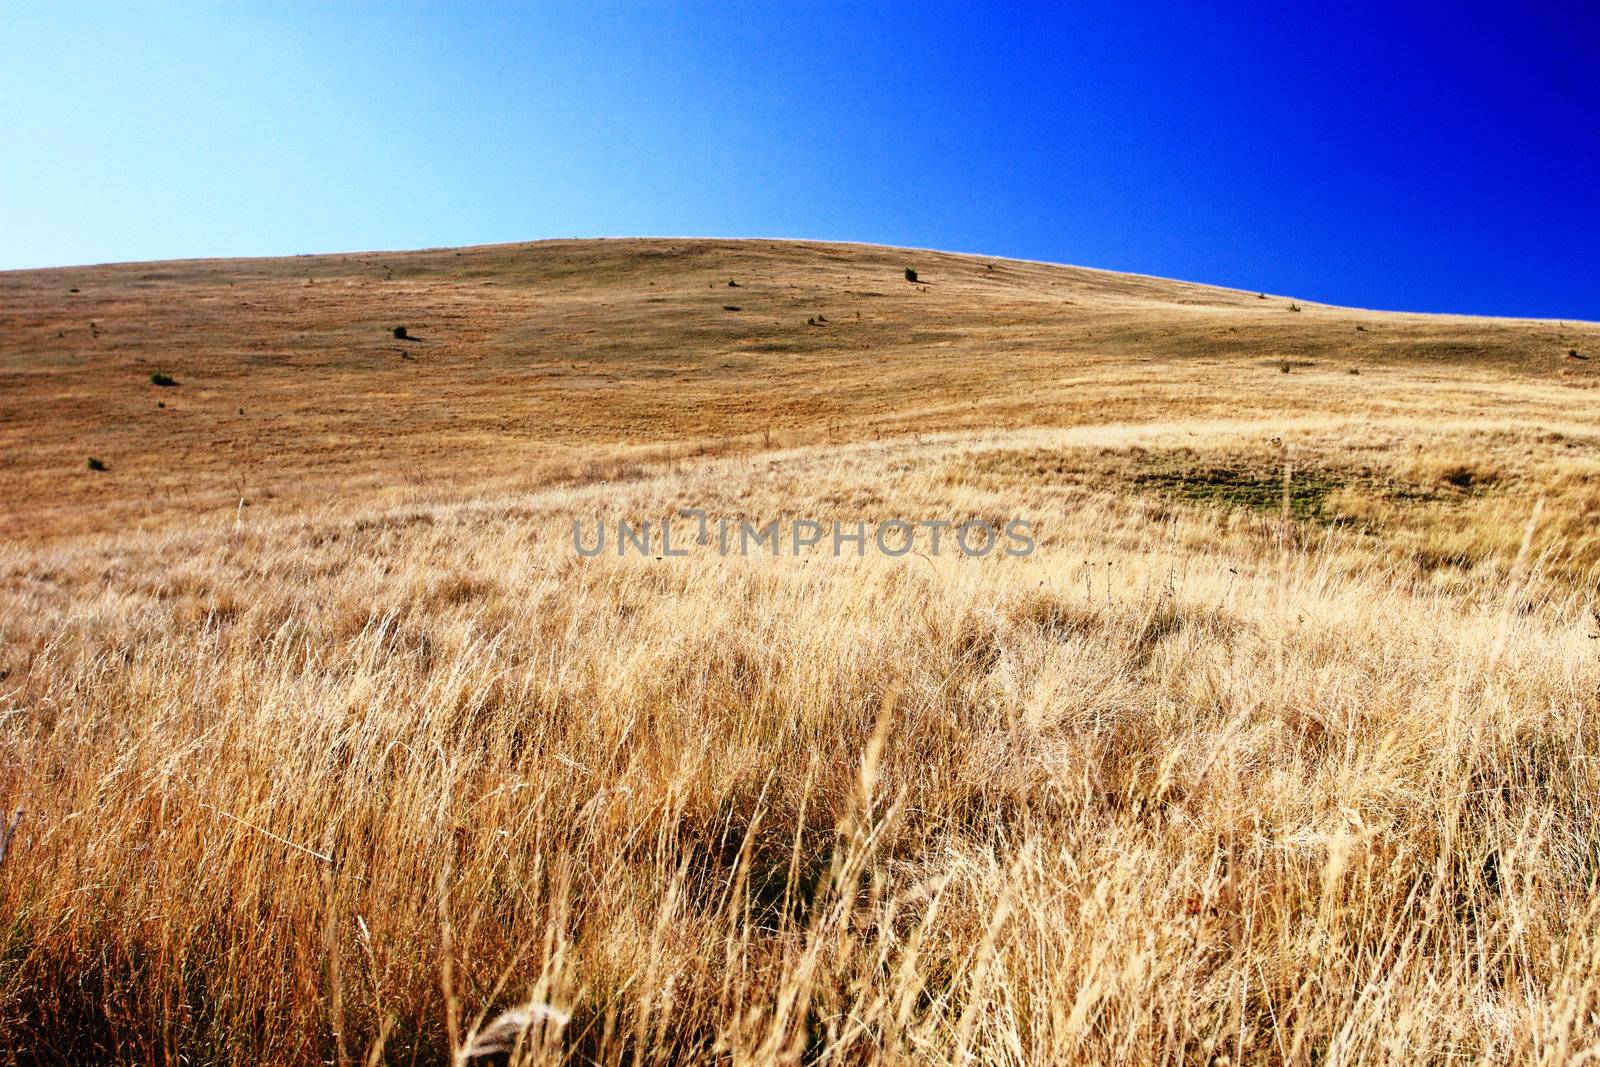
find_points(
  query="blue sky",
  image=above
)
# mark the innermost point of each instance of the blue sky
(1394, 156)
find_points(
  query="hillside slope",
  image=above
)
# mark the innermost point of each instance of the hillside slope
(1279, 748)
(528, 364)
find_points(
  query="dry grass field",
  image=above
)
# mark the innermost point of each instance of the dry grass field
(328, 747)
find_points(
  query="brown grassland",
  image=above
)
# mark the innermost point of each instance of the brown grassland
(329, 748)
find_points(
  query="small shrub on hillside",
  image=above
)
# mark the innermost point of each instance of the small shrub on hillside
(400, 333)
(96, 463)
(163, 380)
(911, 275)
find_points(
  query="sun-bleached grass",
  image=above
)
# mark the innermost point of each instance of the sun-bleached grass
(531, 363)
(1188, 785)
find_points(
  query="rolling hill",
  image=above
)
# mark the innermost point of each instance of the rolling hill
(524, 361)
(322, 740)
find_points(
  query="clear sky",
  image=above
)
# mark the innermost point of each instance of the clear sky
(1391, 156)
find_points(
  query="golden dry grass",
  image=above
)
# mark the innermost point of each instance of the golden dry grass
(346, 774)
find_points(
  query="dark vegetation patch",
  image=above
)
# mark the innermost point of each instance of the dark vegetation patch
(1257, 487)
(1463, 476)
(1257, 484)
(1253, 481)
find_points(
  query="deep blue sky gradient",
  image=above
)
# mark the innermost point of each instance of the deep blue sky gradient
(1420, 157)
